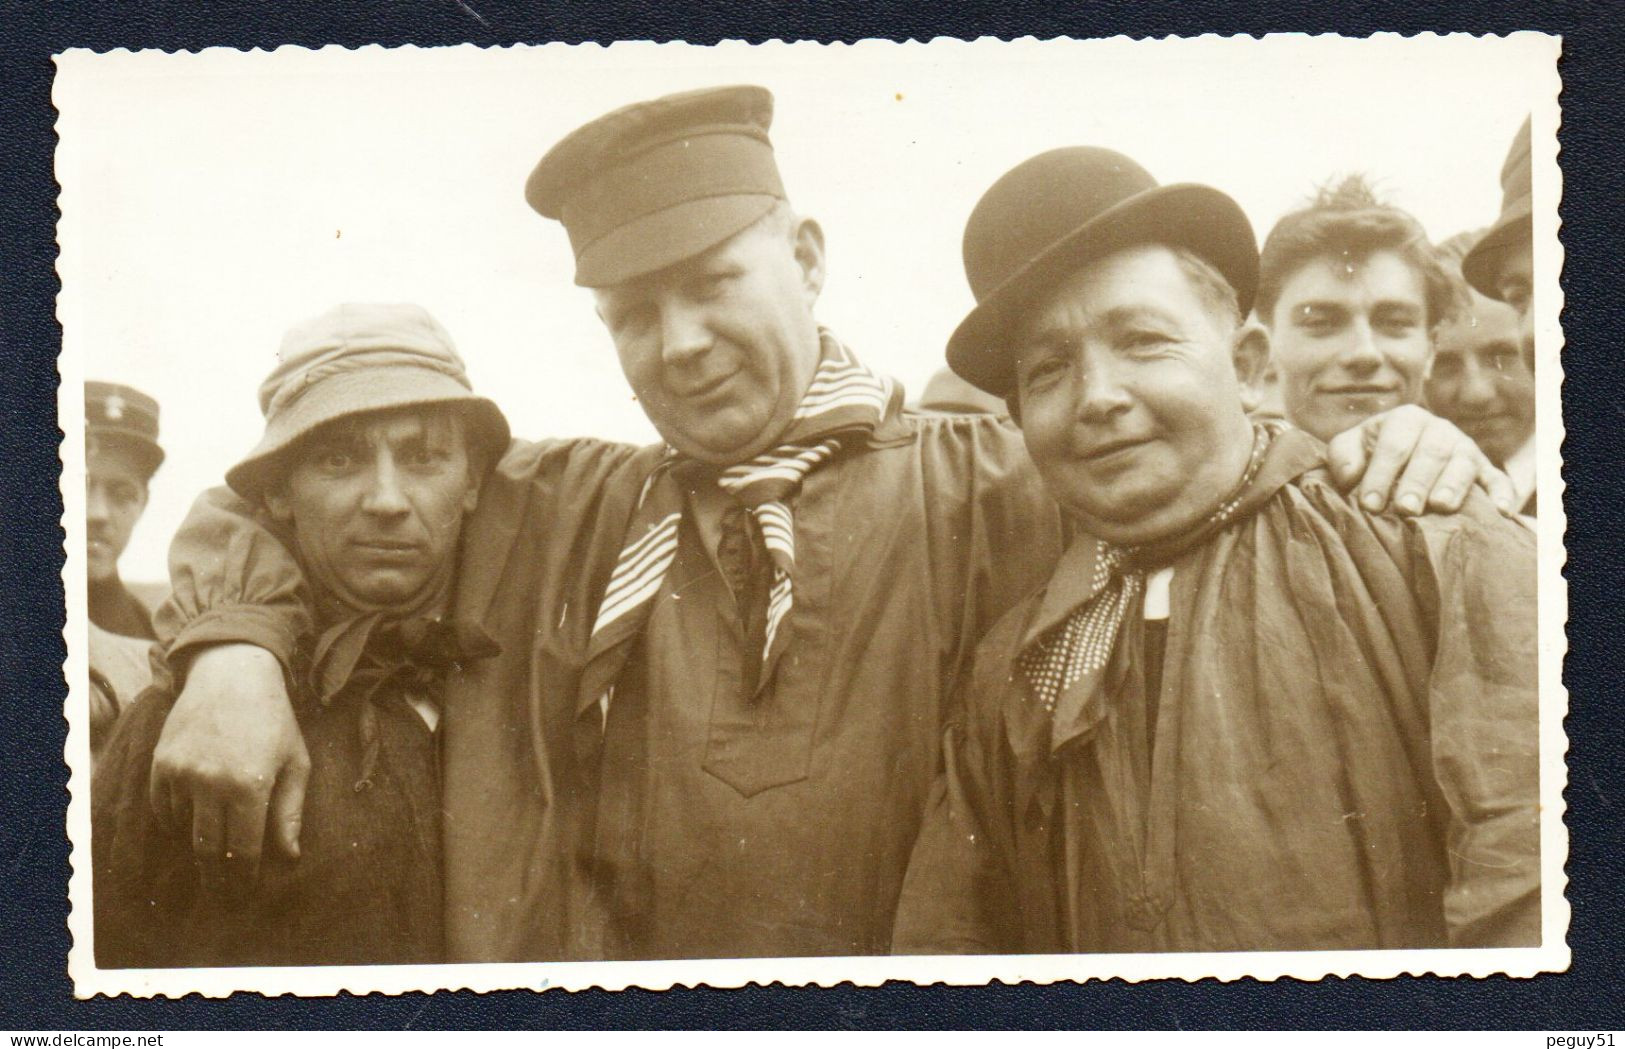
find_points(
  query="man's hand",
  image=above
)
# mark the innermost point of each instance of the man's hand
(1417, 460)
(230, 751)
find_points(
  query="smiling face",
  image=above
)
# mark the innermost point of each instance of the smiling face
(721, 347)
(1129, 399)
(1480, 379)
(376, 503)
(1350, 339)
(115, 496)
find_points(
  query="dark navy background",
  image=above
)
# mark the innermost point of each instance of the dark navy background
(34, 989)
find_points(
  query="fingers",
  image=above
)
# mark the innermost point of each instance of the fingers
(288, 803)
(1346, 455)
(208, 842)
(1451, 489)
(244, 835)
(1396, 436)
(1420, 481)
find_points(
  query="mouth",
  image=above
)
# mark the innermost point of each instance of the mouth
(703, 388)
(1360, 390)
(385, 549)
(1107, 451)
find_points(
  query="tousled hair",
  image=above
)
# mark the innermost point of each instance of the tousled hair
(1348, 221)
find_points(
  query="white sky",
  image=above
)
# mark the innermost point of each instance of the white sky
(211, 200)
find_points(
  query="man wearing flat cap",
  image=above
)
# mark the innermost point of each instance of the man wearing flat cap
(374, 452)
(1244, 713)
(754, 689)
(121, 455)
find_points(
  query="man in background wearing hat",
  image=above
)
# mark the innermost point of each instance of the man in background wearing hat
(757, 696)
(1244, 713)
(373, 453)
(121, 455)
(1502, 264)
(1483, 380)
(1351, 292)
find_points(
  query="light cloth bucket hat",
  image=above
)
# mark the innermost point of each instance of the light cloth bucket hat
(353, 359)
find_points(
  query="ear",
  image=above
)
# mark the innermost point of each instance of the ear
(1250, 352)
(808, 244)
(471, 496)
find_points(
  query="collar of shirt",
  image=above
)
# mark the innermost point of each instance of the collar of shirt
(1520, 468)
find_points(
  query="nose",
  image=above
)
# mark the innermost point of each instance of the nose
(1100, 393)
(96, 509)
(384, 496)
(1360, 355)
(683, 332)
(1477, 386)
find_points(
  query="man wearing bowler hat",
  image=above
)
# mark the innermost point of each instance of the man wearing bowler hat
(753, 693)
(1244, 713)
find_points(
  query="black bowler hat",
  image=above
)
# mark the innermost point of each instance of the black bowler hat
(657, 182)
(1053, 213)
(1481, 264)
(123, 417)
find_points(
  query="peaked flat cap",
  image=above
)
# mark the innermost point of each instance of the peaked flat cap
(1061, 209)
(1513, 224)
(656, 182)
(123, 416)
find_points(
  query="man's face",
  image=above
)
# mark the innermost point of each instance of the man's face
(1479, 379)
(115, 495)
(1515, 286)
(721, 347)
(1129, 399)
(377, 504)
(1350, 339)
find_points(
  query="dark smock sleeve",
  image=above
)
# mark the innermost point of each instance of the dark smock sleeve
(960, 895)
(1483, 702)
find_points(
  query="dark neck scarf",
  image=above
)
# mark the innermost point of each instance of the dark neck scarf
(844, 404)
(363, 658)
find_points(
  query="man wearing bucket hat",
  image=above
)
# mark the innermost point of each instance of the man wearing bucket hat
(373, 453)
(801, 573)
(1244, 713)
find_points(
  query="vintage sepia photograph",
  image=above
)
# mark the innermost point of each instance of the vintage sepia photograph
(648, 515)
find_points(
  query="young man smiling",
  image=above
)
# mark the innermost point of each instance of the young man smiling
(1243, 713)
(1351, 292)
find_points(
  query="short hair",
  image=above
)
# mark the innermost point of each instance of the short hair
(1215, 291)
(1348, 221)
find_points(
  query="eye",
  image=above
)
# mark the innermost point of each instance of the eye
(1142, 340)
(1043, 371)
(335, 460)
(1317, 321)
(1397, 324)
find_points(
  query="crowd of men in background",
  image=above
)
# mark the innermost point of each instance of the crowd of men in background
(819, 674)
